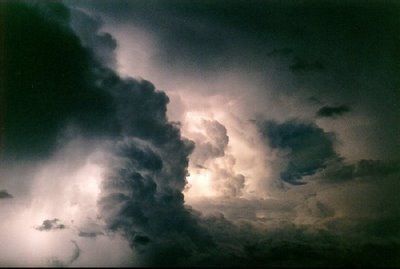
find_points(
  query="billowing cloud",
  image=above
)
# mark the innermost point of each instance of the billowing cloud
(85, 139)
(214, 145)
(142, 197)
(204, 48)
(307, 148)
(59, 86)
(213, 161)
(48, 86)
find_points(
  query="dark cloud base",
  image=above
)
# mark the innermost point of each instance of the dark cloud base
(48, 225)
(5, 195)
(333, 111)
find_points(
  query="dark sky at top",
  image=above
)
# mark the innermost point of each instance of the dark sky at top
(346, 52)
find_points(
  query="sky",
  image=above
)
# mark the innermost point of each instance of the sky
(199, 133)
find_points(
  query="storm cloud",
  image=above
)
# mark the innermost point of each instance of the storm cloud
(308, 147)
(333, 111)
(47, 86)
(59, 85)
(130, 122)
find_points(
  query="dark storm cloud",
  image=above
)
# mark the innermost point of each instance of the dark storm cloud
(52, 81)
(205, 32)
(308, 150)
(5, 195)
(345, 52)
(345, 41)
(49, 225)
(88, 28)
(243, 244)
(365, 168)
(141, 239)
(308, 147)
(144, 200)
(333, 111)
(362, 169)
(142, 194)
(49, 81)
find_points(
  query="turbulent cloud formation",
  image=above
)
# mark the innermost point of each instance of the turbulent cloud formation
(308, 147)
(184, 177)
(47, 86)
(215, 147)
(142, 194)
(87, 96)
(212, 156)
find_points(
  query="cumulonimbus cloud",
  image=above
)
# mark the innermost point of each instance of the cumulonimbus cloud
(63, 84)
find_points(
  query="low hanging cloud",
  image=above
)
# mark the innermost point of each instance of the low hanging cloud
(361, 169)
(332, 111)
(90, 234)
(51, 225)
(5, 195)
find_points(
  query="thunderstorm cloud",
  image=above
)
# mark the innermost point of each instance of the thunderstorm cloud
(199, 133)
